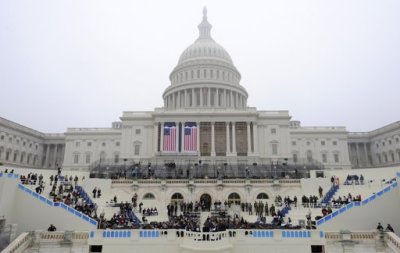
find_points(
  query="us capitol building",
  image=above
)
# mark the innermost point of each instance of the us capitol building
(205, 119)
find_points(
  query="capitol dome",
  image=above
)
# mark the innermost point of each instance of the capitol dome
(205, 47)
(205, 76)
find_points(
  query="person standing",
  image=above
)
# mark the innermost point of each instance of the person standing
(94, 192)
(389, 228)
(52, 228)
(320, 191)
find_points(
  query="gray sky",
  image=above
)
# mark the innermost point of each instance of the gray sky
(78, 63)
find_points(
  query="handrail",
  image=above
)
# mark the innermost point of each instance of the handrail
(19, 245)
(393, 240)
(353, 204)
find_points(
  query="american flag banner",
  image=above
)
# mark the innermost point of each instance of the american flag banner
(190, 137)
(169, 136)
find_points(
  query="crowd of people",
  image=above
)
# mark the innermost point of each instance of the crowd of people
(344, 200)
(354, 179)
(149, 211)
(185, 215)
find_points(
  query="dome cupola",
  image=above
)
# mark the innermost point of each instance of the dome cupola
(205, 76)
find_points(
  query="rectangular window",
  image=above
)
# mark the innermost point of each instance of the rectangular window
(273, 130)
(322, 143)
(137, 131)
(336, 158)
(117, 144)
(293, 143)
(87, 158)
(274, 147)
(89, 144)
(324, 159)
(77, 144)
(76, 158)
(295, 158)
(334, 143)
(137, 149)
(116, 158)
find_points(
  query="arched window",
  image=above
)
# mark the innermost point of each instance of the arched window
(149, 196)
(76, 158)
(177, 197)
(295, 157)
(8, 154)
(28, 160)
(116, 157)
(87, 158)
(234, 198)
(103, 156)
(274, 148)
(262, 195)
(309, 156)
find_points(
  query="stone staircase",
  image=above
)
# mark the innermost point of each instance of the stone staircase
(329, 195)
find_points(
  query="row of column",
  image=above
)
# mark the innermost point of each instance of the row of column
(52, 154)
(362, 155)
(221, 98)
(250, 142)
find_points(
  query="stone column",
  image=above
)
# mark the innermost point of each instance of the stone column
(231, 102)
(248, 139)
(234, 138)
(155, 137)
(224, 99)
(366, 163)
(228, 149)
(201, 97)
(209, 97)
(161, 137)
(255, 137)
(358, 156)
(216, 101)
(177, 137)
(212, 138)
(55, 156)
(46, 160)
(173, 100)
(179, 99)
(185, 100)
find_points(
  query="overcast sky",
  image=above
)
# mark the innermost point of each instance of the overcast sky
(78, 63)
